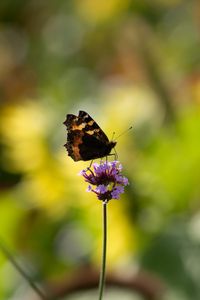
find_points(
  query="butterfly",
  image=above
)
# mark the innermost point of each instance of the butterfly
(85, 139)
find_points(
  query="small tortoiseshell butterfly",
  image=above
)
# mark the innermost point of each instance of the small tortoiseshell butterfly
(85, 139)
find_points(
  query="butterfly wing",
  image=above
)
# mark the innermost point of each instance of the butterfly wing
(92, 128)
(85, 139)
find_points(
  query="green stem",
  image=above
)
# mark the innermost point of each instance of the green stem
(103, 266)
(9, 256)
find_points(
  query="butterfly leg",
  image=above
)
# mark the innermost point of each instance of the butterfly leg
(115, 154)
(90, 165)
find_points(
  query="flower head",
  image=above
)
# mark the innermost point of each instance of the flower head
(107, 178)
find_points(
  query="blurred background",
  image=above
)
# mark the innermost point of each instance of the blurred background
(125, 62)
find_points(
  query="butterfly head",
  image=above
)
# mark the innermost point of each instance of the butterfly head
(112, 144)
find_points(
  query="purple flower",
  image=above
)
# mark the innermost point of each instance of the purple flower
(107, 178)
(117, 191)
(102, 189)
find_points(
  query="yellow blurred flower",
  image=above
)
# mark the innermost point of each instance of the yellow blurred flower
(96, 11)
(48, 176)
(23, 127)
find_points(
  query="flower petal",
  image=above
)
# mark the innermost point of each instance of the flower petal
(101, 189)
(89, 188)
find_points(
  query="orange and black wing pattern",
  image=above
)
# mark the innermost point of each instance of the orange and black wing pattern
(85, 139)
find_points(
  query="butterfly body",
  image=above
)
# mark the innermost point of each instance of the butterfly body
(85, 139)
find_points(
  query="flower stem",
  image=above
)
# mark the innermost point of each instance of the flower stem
(103, 265)
(11, 259)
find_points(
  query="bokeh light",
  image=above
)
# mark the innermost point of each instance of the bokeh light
(127, 63)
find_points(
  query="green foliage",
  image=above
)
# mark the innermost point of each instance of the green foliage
(126, 63)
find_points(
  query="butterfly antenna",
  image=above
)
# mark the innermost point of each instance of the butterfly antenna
(125, 131)
(113, 134)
